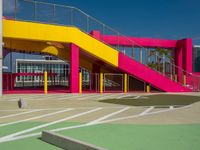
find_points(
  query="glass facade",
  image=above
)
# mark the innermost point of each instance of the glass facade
(196, 58)
(29, 72)
(58, 71)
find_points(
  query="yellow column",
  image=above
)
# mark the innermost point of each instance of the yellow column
(125, 83)
(148, 89)
(45, 83)
(80, 82)
(176, 78)
(101, 83)
(171, 76)
(184, 80)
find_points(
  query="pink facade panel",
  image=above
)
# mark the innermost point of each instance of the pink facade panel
(145, 42)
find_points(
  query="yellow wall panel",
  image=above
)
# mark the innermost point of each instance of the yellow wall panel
(45, 32)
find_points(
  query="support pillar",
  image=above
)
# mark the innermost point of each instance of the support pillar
(101, 82)
(187, 63)
(1, 49)
(184, 50)
(45, 82)
(187, 54)
(179, 61)
(74, 68)
(148, 88)
(80, 82)
(125, 83)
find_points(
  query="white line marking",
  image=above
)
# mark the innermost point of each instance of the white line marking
(87, 124)
(48, 124)
(107, 97)
(22, 113)
(109, 115)
(70, 97)
(106, 121)
(84, 125)
(60, 108)
(37, 117)
(25, 98)
(123, 96)
(49, 97)
(39, 97)
(136, 97)
(83, 98)
(147, 110)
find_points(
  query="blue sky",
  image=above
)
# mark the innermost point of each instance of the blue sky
(173, 19)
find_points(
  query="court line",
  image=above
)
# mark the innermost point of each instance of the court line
(70, 97)
(136, 97)
(36, 97)
(86, 124)
(57, 130)
(48, 124)
(37, 117)
(109, 115)
(83, 98)
(145, 113)
(22, 113)
(109, 96)
(123, 96)
(60, 108)
(147, 110)
(30, 97)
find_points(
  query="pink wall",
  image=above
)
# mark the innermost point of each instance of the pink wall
(145, 42)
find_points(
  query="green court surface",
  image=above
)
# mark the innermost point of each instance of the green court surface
(124, 137)
(17, 127)
(27, 144)
(140, 137)
(26, 125)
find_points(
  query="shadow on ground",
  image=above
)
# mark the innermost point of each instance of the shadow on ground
(155, 100)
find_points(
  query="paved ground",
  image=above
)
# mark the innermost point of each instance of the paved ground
(113, 121)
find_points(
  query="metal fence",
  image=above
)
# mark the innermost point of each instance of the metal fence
(113, 82)
(90, 82)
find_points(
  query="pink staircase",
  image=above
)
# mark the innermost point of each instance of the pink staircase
(148, 75)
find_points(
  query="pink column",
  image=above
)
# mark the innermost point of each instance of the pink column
(184, 57)
(74, 68)
(179, 60)
(187, 55)
(187, 50)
